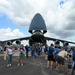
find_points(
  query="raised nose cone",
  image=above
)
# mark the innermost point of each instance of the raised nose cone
(37, 23)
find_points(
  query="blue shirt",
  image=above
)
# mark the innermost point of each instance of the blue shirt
(50, 51)
(46, 49)
(73, 57)
(69, 49)
(57, 51)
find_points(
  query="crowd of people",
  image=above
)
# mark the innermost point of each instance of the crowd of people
(54, 55)
(9, 51)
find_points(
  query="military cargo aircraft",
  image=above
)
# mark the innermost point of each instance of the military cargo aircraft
(37, 29)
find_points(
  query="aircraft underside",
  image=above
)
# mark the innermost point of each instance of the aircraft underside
(37, 38)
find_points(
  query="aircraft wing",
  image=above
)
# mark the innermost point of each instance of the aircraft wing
(23, 38)
(46, 38)
(54, 39)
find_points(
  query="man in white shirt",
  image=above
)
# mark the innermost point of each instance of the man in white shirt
(61, 58)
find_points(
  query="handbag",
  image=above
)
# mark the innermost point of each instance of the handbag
(35, 53)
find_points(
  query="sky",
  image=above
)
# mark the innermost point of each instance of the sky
(16, 16)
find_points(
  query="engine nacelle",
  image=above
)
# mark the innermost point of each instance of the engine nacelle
(9, 43)
(57, 42)
(18, 42)
(65, 43)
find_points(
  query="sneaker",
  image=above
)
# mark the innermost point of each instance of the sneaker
(45, 58)
(51, 68)
(4, 58)
(47, 66)
(8, 65)
(21, 64)
(18, 64)
(56, 69)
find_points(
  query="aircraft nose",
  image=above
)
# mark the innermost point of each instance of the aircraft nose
(37, 23)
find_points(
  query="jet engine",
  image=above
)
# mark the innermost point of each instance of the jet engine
(65, 43)
(18, 42)
(9, 43)
(57, 42)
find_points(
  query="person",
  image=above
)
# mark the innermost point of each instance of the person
(57, 50)
(33, 49)
(21, 55)
(46, 52)
(69, 65)
(73, 66)
(61, 58)
(9, 53)
(1, 49)
(27, 49)
(50, 59)
(5, 52)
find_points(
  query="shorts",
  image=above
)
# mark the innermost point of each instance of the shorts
(51, 58)
(21, 56)
(60, 60)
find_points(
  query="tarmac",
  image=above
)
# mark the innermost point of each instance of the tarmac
(32, 66)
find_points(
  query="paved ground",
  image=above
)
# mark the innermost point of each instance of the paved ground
(32, 66)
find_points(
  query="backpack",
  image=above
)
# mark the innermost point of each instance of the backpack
(35, 53)
(28, 48)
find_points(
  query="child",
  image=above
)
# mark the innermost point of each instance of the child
(69, 65)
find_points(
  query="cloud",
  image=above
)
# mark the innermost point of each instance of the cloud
(59, 21)
(7, 34)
